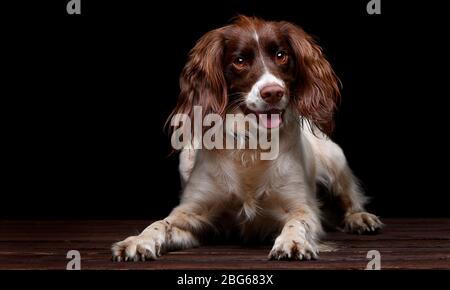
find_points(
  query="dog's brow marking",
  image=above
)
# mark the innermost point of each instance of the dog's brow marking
(256, 36)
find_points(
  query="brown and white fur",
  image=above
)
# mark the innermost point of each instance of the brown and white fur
(256, 66)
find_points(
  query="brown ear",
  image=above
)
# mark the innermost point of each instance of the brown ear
(202, 81)
(317, 90)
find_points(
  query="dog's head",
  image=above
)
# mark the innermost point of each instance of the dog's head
(256, 66)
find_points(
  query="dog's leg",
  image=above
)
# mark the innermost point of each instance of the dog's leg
(187, 162)
(177, 231)
(351, 199)
(335, 173)
(299, 238)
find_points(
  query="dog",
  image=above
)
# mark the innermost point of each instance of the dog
(259, 67)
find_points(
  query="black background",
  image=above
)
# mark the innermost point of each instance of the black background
(85, 98)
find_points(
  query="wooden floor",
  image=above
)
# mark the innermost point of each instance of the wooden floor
(403, 244)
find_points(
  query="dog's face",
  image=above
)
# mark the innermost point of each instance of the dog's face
(256, 66)
(259, 70)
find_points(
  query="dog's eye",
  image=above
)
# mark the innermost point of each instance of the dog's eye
(240, 62)
(281, 57)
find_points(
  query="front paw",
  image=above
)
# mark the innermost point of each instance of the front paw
(362, 222)
(137, 248)
(298, 248)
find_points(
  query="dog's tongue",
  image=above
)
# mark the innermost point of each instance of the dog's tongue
(271, 121)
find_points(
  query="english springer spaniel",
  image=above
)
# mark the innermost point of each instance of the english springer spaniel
(262, 68)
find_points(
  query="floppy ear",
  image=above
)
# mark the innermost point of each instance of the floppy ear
(202, 81)
(317, 86)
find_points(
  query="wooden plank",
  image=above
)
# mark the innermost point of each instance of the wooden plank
(404, 244)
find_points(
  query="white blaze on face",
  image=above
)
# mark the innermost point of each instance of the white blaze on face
(255, 35)
(269, 118)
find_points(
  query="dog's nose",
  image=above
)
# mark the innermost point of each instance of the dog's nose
(272, 94)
